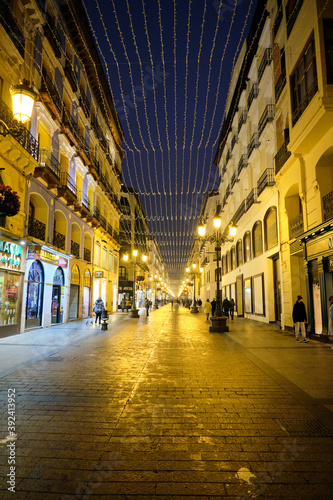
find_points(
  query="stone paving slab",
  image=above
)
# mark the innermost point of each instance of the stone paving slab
(161, 408)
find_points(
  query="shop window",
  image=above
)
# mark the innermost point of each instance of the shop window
(257, 239)
(110, 261)
(97, 253)
(270, 227)
(247, 246)
(104, 257)
(9, 287)
(239, 252)
(35, 288)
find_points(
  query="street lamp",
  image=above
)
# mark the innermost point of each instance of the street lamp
(134, 312)
(23, 98)
(218, 321)
(195, 272)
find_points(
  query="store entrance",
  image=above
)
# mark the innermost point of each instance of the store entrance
(277, 288)
(57, 297)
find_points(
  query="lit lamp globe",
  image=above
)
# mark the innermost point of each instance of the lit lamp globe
(201, 230)
(135, 253)
(23, 99)
(125, 257)
(217, 221)
(232, 230)
(144, 258)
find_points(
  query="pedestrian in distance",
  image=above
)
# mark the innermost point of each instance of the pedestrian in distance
(330, 316)
(232, 308)
(147, 305)
(299, 318)
(213, 303)
(226, 306)
(199, 303)
(98, 309)
(208, 308)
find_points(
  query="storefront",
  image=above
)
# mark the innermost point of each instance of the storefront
(125, 292)
(74, 293)
(11, 280)
(45, 287)
(318, 254)
(86, 294)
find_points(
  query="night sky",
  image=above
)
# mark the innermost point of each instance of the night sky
(169, 64)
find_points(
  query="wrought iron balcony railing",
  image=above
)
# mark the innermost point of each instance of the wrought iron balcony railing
(277, 21)
(36, 229)
(296, 226)
(281, 157)
(328, 205)
(46, 159)
(83, 199)
(297, 113)
(23, 136)
(280, 84)
(252, 95)
(87, 254)
(70, 75)
(265, 61)
(254, 143)
(75, 249)
(49, 87)
(243, 162)
(242, 119)
(68, 182)
(251, 198)
(266, 179)
(266, 117)
(234, 140)
(59, 240)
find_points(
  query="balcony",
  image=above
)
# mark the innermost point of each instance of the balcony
(112, 232)
(252, 95)
(296, 226)
(104, 143)
(251, 199)
(242, 119)
(234, 140)
(266, 179)
(280, 84)
(50, 32)
(70, 75)
(265, 61)
(59, 240)
(75, 249)
(98, 131)
(241, 210)
(51, 97)
(83, 151)
(82, 204)
(103, 222)
(48, 169)
(234, 179)
(12, 29)
(291, 18)
(84, 103)
(23, 136)
(297, 113)
(281, 157)
(266, 117)
(67, 188)
(277, 21)
(69, 128)
(254, 143)
(94, 217)
(95, 169)
(328, 206)
(87, 254)
(227, 192)
(243, 162)
(36, 229)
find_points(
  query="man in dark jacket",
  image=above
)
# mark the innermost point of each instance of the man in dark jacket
(98, 309)
(299, 318)
(213, 304)
(226, 306)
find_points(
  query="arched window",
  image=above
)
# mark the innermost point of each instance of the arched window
(97, 253)
(227, 262)
(257, 239)
(74, 293)
(239, 251)
(87, 278)
(270, 226)
(104, 257)
(110, 261)
(233, 257)
(223, 265)
(247, 246)
(35, 288)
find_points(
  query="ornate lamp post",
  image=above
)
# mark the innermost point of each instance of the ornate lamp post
(23, 98)
(218, 321)
(195, 271)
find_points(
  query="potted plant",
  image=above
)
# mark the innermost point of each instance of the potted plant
(9, 201)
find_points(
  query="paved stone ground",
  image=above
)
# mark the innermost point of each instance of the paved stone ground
(161, 408)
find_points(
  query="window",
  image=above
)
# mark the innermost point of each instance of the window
(233, 258)
(97, 253)
(223, 266)
(247, 246)
(270, 225)
(257, 239)
(239, 251)
(328, 40)
(123, 272)
(304, 82)
(115, 263)
(104, 257)
(292, 10)
(227, 262)
(110, 260)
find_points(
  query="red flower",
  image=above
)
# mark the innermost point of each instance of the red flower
(9, 201)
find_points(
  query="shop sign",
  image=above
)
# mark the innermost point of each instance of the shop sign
(99, 274)
(10, 254)
(38, 253)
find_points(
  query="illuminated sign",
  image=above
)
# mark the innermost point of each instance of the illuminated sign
(99, 274)
(10, 254)
(38, 253)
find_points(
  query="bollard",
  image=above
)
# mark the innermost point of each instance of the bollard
(104, 319)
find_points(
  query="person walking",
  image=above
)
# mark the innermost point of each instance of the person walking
(226, 306)
(232, 308)
(213, 303)
(208, 308)
(98, 309)
(147, 305)
(330, 317)
(299, 318)
(128, 304)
